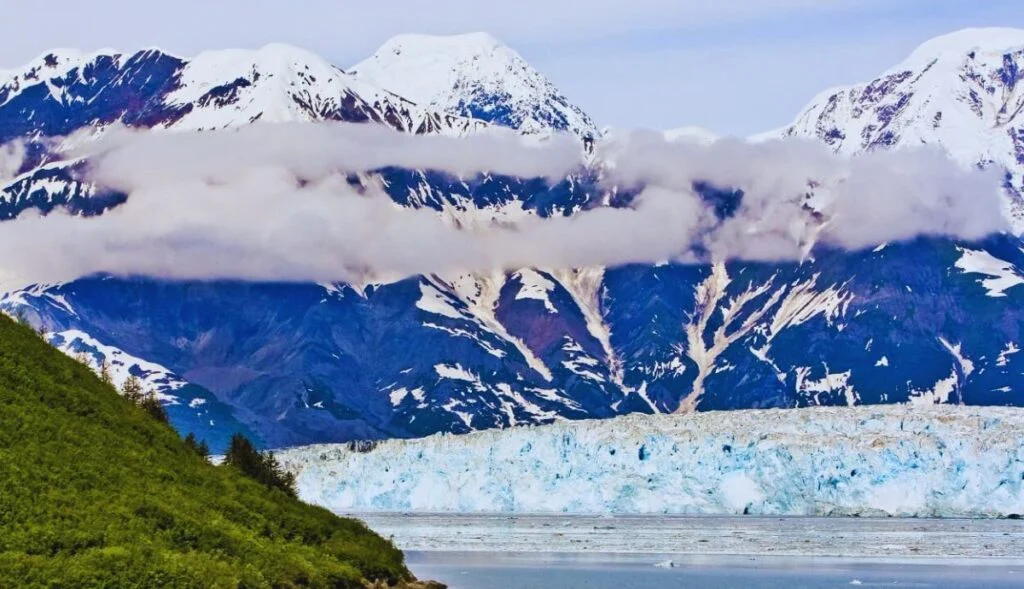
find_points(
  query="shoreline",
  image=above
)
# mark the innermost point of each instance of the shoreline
(741, 538)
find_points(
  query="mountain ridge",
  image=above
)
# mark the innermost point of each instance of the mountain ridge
(301, 363)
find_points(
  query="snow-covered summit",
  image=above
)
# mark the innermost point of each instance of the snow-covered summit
(961, 91)
(958, 43)
(280, 82)
(51, 64)
(51, 61)
(62, 90)
(472, 75)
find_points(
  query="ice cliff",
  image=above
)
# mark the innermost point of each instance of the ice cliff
(880, 460)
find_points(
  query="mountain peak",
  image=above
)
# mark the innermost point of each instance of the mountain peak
(479, 42)
(472, 75)
(962, 92)
(962, 42)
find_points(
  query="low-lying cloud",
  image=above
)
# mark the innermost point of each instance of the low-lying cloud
(796, 191)
(11, 157)
(132, 160)
(271, 202)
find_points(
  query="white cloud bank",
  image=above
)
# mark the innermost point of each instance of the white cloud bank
(270, 202)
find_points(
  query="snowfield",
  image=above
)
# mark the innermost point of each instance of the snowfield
(899, 460)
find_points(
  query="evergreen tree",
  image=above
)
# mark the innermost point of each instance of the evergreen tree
(261, 466)
(132, 389)
(198, 446)
(243, 455)
(150, 404)
(105, 372)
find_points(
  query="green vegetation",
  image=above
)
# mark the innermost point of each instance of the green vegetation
(260, 466)
(198, 446)
(132, 391)
(94, 492)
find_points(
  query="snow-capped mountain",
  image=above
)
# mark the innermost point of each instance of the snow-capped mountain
(474, 76)
(62, 91)
(300, 363)
(963, 91)
(875, 461)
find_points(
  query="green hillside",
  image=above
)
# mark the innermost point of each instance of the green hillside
(96, 493)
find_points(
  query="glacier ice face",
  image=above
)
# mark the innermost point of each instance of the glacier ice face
(895, 460)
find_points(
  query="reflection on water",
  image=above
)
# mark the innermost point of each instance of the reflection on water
(541, 571)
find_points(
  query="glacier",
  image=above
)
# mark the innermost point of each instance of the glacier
(895, 460)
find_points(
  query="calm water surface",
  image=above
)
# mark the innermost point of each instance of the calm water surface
(540, 571)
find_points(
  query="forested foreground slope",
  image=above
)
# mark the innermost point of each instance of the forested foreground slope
(96, 493)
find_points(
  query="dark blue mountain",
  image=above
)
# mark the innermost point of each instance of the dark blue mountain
(926, 321)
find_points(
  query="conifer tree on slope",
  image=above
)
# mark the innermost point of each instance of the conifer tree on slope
(131, 389)
(104, 372)
(262, 466)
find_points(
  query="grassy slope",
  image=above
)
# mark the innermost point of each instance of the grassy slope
(95, 493)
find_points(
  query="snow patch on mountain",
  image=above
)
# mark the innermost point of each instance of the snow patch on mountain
(479, 293)
(939, 394)
(120, 364)
(535, 286)
(584, 285)
(883, 460)
(767, 308)
(1002, 275)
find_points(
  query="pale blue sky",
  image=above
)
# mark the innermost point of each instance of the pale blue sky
(755, 75)
(734, 66)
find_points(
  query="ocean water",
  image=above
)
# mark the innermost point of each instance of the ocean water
(477, 570)
(874, 539)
